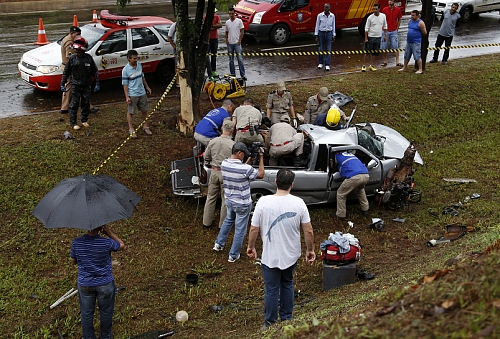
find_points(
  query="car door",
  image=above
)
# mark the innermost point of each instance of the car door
(147, 44)
(111, 54)
(374, 165)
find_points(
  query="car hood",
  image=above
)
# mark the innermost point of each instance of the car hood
(45, 55)
(251, 8)
(395, 144)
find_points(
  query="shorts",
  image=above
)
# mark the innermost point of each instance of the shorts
(413, 48)
(373, 44)
(140, 102)
(392, 41)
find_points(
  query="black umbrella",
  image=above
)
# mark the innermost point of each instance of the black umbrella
(86, 202)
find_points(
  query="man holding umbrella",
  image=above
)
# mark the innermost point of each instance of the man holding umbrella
(92, 254)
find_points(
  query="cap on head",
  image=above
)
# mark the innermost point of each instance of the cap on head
(333, 116)
(281, 86)
(75, 29)
(285, 118)
(323, 93)
(228, 124)
(241, 147)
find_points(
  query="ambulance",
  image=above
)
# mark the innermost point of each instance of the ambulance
(277, 20)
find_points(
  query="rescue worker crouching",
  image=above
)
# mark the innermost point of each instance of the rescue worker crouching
(247, 120)
(331, 119)
(284, 139)
(317, 104)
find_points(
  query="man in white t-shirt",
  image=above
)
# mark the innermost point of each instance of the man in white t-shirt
(279, 218)
(234, 34)
(375, 24)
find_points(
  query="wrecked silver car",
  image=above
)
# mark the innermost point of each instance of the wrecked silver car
(379, 147)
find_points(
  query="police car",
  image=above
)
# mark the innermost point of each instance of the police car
(109, 40)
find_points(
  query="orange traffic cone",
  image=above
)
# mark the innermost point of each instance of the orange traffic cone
(94, 16)
(75, 21)
(42, 37)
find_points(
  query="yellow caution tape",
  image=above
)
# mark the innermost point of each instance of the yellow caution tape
(274, 54)
(157, 106)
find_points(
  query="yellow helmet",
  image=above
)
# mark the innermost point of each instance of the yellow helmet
(333, 116)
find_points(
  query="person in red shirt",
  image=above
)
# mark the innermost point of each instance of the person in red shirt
(393, 15)
(213, 46)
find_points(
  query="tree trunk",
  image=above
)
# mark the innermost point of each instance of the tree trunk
(186, 121)
(192, 46)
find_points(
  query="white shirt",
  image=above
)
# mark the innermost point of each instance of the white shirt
(280, 219)
(325, 23)
(375, 24)
(172, 32)
(233, 29)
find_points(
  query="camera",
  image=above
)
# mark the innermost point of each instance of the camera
(256, 148)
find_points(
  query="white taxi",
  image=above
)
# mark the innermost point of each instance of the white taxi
(109, 40)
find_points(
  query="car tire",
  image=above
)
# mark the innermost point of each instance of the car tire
(361, 27)
(279, 34)
(466, 14)
(165, 71)
(256, 194)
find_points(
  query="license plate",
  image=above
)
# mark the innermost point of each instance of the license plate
(25, 76)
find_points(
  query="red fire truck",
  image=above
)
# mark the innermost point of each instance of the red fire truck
(278, 19)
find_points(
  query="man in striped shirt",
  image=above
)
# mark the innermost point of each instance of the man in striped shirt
(236, 176)
(92, 254)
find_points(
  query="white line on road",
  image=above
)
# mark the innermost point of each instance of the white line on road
(289, 47)
(17, 45)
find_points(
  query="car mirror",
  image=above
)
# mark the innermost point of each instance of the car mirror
(373, 163)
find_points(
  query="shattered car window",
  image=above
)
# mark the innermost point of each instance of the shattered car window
(370, 143)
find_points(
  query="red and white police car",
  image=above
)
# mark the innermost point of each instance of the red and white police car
(109, 40)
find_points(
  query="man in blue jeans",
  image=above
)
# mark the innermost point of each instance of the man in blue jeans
(234, 34)
(325, 35)
(92, 254)
(236, 176)
(279, 218)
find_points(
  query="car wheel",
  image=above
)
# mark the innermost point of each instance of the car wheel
(279, 34)
(165, 71)
(256, 194)
(466, 14)
(361, 27)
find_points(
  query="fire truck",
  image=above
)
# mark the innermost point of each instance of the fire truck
(277, 20)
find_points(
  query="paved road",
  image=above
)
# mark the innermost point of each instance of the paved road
(19, 25)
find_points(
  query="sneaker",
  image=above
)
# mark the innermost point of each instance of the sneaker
(132, 133)
(64, 111)
(76, 127)
(232, 259)
(373, 69)
(244, 78)
(94, 110)
(444, 62)
(218, 247)
(365, 213)
(433, 61)
(320, 66)
(214, 74)
(147, 131)
(327, 68)
(363, 69)
(85, 124)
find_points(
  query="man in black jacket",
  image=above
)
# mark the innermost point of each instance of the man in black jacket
(80, 68)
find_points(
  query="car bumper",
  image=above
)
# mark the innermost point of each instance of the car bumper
(43, 82)
(259, 30)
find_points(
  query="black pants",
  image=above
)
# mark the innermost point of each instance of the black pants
(79, 95)
(439, 42)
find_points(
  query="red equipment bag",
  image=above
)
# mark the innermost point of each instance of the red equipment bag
(332, 255)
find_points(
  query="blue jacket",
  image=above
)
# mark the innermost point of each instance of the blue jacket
(211, 123)
(349, 165)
